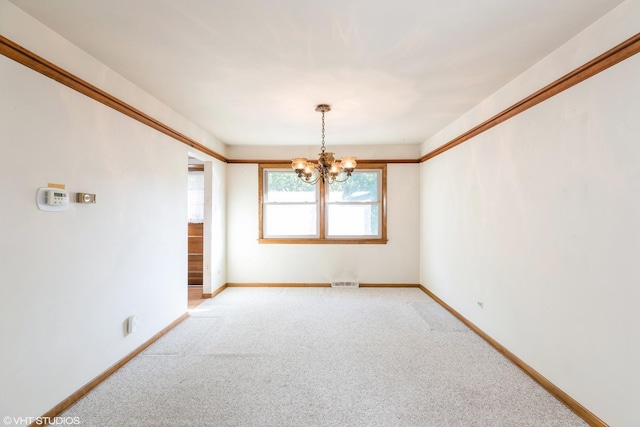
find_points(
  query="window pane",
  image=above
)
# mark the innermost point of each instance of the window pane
(361, 187)
(195, 196)
(352, 220)
(285, 186)
(290, 220)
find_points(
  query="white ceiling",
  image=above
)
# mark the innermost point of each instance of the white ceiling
(252, 71)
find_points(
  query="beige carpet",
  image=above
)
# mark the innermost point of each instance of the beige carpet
(321, 357)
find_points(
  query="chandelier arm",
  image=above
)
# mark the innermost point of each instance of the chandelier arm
(340, 180)
(310, 181)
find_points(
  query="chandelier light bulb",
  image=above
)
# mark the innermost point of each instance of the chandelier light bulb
(349, 163)
(309, 168)
(299, 163)
(335, 168)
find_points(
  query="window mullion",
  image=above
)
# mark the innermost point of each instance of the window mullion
(322, 213)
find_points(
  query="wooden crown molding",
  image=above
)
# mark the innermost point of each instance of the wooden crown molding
(619, 53)
(288, 161)
(31, 60)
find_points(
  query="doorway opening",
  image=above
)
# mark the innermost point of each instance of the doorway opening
(195, 232)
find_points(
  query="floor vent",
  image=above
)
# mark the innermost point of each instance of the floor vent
(345, 284)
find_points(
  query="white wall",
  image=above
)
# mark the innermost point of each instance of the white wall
(282, 152)
(250, 262)
(537, 219)
(214, 264)
(68, 280)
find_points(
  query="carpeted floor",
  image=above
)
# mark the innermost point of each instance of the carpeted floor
(320, 357)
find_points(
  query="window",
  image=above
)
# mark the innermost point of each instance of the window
(292, 211)
(195, 196)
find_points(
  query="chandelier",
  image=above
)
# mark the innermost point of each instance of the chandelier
(328, 169)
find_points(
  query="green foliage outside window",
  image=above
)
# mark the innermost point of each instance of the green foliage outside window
(287, 181)
(362, 186)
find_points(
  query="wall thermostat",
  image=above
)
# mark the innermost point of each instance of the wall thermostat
(85, 198)
(52, 199)
(56, 197)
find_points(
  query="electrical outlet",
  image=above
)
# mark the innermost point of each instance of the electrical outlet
(132, 324)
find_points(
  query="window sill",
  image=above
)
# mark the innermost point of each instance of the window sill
(284, 241)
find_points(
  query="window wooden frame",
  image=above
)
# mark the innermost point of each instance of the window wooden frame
(322, 214)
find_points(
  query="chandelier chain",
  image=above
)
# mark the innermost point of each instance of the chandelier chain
(323, 131)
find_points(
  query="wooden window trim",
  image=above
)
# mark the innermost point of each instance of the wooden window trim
(322, 212)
